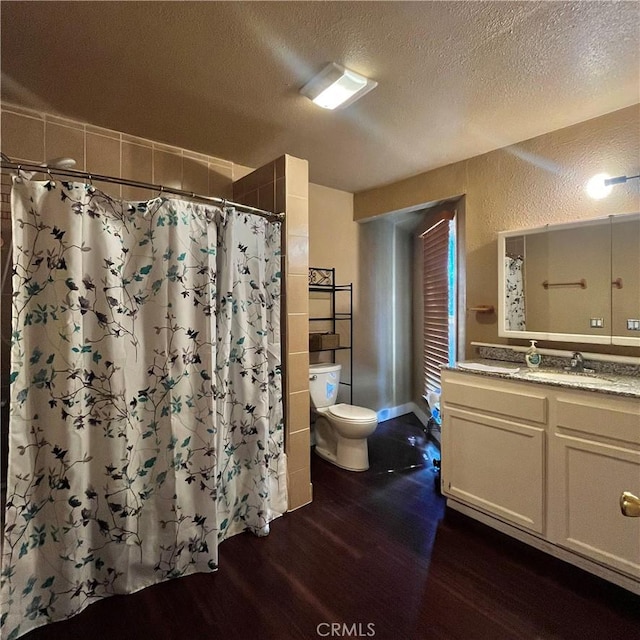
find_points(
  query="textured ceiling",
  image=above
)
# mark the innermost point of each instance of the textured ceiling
(455, 79)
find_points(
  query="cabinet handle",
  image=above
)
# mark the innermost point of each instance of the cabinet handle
(629, 505)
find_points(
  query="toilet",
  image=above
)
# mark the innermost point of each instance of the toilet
(340, 430)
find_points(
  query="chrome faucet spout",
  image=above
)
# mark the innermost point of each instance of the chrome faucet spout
(577, 364)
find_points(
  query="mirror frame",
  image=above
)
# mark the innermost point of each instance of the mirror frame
(556, 337)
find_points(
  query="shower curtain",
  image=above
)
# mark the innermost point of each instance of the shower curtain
(146, 400)
(514, 299)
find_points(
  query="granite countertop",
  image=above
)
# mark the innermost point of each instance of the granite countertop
(609, 383)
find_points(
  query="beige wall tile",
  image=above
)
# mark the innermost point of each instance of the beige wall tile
(263, 176)
(136, 140)
(297, 255)
(297, 332)
(266, 197)
(65, 122)
(167, 169)
(297, 172)
(195, 175)
(281, 195)
(22, 137)
(167, 148)
(21, 111)
(297, 372)
(64, 142)
(298, 451)
(297, 210)
(298, 408)
(300, 491)
(200, 157)
(220, 181)
(137, 164)
(103, 156)
(250, 199)
(297, 294)
(240, 171)
(101, 131)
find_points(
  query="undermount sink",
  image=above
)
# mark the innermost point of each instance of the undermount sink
(567, 376)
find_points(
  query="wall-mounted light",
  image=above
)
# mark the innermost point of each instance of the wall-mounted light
(597, 188)
(619, 180)
(335, 86)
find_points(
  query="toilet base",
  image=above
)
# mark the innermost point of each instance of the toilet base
(352, 455)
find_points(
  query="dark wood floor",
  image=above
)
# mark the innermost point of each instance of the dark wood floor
(374, 548)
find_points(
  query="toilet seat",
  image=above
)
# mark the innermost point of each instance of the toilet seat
(349, 413)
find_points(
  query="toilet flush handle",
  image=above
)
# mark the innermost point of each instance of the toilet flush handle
(313, 377)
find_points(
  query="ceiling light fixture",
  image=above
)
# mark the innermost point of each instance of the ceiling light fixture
(337, 87)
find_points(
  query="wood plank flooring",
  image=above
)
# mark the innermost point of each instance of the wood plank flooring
(376, 552)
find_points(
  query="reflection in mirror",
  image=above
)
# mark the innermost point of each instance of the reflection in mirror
(625, 279)
(514, 284)
(575, 282)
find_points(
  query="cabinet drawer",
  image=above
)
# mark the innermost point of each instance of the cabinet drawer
(612, 418)
(521, 403)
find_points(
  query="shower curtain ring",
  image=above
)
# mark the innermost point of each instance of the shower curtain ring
(51, 180)
(90, 188)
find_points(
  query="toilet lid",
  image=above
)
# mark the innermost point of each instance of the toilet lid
(352, 413)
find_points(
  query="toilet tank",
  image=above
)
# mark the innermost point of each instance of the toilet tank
(323, 384)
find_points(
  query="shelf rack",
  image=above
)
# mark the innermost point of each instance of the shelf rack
(323, 280)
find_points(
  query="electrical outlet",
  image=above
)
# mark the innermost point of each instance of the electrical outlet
(596, 323)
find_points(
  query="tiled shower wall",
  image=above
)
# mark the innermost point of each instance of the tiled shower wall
(283, 185)
(30, 136)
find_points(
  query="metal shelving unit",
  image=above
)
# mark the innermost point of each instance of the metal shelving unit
(323, 280)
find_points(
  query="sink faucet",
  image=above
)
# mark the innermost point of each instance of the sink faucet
(577, 364)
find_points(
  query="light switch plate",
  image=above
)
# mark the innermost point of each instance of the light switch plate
(596, 323)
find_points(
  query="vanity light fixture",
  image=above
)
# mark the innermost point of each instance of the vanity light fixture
(337, 87)
(597, 187)
(619, 180)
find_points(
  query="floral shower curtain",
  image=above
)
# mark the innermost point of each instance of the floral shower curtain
(514, 300)
(146, 401)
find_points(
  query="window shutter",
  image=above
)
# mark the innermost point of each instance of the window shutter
(437, 327)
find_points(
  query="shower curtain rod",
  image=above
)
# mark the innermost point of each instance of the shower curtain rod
(51, 171)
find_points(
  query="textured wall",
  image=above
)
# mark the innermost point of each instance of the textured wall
(536, 182)
(333, 241)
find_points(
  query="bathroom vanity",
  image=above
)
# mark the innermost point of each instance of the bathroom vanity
(545, 457)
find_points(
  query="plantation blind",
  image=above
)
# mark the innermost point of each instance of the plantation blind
(437, 327)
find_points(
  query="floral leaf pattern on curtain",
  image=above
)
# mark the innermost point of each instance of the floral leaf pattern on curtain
(514, 298)
(146, 403)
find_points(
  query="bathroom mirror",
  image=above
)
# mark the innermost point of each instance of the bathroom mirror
(577, 282)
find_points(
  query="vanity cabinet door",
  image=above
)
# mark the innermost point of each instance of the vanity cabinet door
(595, 456)
(495, 465)
(589, 519)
